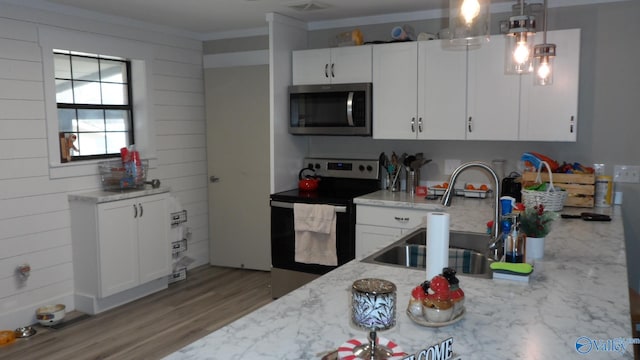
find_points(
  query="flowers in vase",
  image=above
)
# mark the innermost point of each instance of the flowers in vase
(536, 221)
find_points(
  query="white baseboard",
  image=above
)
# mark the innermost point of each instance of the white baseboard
(92, 305)
(25, 316)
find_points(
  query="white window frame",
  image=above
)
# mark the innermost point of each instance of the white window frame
(141, 56)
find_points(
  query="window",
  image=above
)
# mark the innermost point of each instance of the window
(93, 96)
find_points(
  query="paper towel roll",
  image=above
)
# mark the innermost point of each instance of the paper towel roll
(437, 243)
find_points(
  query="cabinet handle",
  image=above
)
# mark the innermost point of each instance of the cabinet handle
(469, 124)
(135, 211)
(332, 73)
(413, 124)
(420, 124)
(141, 209)
(401, 219)
(326, 70)
(571, 125)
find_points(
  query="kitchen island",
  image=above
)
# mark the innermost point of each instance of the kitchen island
(577, 297)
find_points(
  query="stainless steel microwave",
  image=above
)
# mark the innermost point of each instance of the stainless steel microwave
(340, 109)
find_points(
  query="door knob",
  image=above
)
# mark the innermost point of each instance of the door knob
(213, 179)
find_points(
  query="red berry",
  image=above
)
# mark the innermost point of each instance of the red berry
(418, 293)
(439, 284)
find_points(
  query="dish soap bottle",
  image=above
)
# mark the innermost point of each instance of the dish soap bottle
(515, 243)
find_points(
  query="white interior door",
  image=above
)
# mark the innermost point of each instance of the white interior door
(237, 104)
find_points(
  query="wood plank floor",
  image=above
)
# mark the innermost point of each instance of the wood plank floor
(156, 325)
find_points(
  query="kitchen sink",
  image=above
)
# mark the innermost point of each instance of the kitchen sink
(457, 239)
(467, 253)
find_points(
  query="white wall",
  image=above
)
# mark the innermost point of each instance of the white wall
(34, 211)
(285, 34)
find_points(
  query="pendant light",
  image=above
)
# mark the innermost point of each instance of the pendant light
(469, 21)
(519, 49)
(543, 55)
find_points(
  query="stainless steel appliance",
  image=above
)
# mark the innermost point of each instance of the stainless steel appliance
(340, 109)
(342, 180)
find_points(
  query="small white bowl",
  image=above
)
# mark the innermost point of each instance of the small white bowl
(435, 315)
(458, 307)
(51, 314)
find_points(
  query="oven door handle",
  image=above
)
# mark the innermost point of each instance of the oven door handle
(288, 205)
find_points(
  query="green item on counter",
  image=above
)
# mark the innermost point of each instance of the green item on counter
(512, 268)
(537, 187)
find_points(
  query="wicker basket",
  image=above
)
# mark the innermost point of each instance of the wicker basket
(552, 199)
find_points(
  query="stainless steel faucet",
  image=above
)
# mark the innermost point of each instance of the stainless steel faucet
(446, 198)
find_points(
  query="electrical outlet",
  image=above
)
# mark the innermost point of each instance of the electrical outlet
(626, 174)
(450, 165)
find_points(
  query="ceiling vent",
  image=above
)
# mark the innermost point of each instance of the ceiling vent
(307, 6)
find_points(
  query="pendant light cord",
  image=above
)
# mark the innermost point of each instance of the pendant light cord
(544, 33)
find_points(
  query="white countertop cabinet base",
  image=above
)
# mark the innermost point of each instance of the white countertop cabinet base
(120, 249)
(379, 226)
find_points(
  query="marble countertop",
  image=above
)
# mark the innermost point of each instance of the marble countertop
(471, 214)
(577, 293)
(102, 196)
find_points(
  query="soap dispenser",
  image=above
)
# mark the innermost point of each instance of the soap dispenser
(515, 243)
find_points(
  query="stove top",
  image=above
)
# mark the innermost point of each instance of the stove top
(342, 180)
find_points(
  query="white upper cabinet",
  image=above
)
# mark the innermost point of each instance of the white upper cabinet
(492, 96)
(428, 90)
(341, 65)
(442, 82)
(550, 113)
(419, 91)
(395, 83)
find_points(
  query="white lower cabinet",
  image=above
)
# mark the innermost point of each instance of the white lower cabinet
(119, 249)
(379, 226)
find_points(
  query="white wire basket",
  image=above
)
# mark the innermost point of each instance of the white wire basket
(552, 199)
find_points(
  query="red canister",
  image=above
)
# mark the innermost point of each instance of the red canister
(135, 157)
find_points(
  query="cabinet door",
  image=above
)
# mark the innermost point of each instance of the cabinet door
(371, 238)
(549, 113)
(493, 108)
(311, 66)
(351, 64)
(395, 74)
(153, 238)
(442, 83)
(117, 246)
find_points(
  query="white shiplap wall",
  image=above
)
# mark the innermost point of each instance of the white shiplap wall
(34, 211)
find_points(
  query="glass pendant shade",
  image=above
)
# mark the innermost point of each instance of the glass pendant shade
(519, 49)
(469, 21)
(544, 55)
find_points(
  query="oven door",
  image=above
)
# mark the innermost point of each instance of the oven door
(283, 238)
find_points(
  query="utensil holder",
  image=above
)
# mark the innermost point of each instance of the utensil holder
(412, 180)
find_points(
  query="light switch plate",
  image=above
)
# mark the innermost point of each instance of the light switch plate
(626, 174)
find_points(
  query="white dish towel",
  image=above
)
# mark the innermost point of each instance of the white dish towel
(315, 234)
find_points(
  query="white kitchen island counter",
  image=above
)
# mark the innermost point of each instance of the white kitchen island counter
(578, 293)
